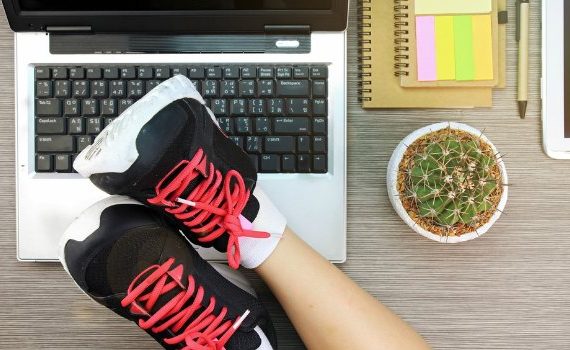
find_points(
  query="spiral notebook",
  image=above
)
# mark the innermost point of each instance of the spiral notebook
(380, 86)
(448, 43)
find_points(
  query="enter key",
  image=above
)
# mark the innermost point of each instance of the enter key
(291, 126)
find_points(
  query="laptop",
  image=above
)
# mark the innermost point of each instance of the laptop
(273, 72)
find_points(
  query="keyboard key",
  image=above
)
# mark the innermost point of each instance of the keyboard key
(145, 73)
(288, 163)
(319, 144)
(293, 88)
(255, 161)
(262, 126)
(319, 125)
(89, 107)
(248, 72)
(71, 107)
(256, 107)
(63, 163)
(162, 72)
(117, 88)
(319, 107)
(227, 125)
(99, 88)
(270, 163)
(94, 73)
(75, 126)
(266, 88)
(83, 142)
(42, 73)
(319, 72)
(229, 88)
(151, 84)
(253, 144)
(196, 73)
(179, 71)
(238, 107)
(291, 126)
(124, 104)
(135, 88)
(243, 126)
(43, 163)
(279, 144)
(108, 107)
(214, 73)
(128, 73)
(219, 107)
(62, 88)
(44, 88)
(210, 88)
(48, 107)
(303, 163)
(107, 121)
(298, 106)
(265, 72)
(301, 72)
(111, 73)
(247, 88)
(231, 72)
(77, 73)
(303, 144)
(59, 73)
(80, 88)
(46, 126)
(276, 107)
(319, 163)
(319, 88)
(94, 126)
(238, 140)
(284, 73)
(52, 144)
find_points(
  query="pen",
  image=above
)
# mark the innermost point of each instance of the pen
(523, 9)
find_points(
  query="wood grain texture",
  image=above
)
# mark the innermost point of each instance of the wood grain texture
(507, 290)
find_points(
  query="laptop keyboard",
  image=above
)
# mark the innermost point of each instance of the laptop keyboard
(276, 114)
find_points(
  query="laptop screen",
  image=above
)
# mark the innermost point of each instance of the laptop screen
(171, 5)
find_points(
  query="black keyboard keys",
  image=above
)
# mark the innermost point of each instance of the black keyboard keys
(279, 144)
(53, 144)
(43, 163)
(48, 107)
(46, 126)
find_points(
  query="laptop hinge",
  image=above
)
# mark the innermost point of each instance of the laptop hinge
(288, 29)
(68, 29)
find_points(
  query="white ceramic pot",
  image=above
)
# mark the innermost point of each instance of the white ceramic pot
(392, 179)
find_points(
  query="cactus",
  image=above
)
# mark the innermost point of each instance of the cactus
(452, 179)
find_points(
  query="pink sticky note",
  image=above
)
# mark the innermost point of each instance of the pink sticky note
(425, 39)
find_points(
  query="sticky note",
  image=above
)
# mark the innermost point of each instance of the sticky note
(463, 36)
(425, 39)
(452, 7)
(444, 48)
(483, 47)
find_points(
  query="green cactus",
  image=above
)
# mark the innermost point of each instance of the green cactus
(451, 180)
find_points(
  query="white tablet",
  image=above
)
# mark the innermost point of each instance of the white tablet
(556, 79)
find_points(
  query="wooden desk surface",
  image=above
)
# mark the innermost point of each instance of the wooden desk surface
(507, 290)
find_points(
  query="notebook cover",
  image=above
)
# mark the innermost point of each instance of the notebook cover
(409, 76)
(380, 88)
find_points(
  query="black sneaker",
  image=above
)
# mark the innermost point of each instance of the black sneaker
(122, 255)
(167, 151)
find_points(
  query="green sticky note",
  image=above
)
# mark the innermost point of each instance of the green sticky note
(464, 55)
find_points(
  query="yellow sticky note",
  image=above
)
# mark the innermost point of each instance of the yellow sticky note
(444, 48)
(483, 47)
(452, 7)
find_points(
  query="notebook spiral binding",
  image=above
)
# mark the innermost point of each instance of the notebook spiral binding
(401, 40)
(365, 48)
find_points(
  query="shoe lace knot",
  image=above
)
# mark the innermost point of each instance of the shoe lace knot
(213, 207)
